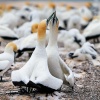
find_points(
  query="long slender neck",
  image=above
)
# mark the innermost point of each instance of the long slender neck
(40, 48)
(52, 37)
(9, 50)
(40, 44)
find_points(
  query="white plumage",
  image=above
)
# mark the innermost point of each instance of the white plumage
(71, 39)
(57, 66)
(36, 71)
(86, 52)
(7, 32)
(7, 58)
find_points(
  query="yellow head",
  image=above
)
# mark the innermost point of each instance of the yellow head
(27, 3)
(52, 5)
(86, 19)
(2, 6)
(1, 12)
(69, 7)
(62, 4)
(42, 30)
(12, 45)
(40, 6)
(34, 28)
(9, 7)
(88, 4)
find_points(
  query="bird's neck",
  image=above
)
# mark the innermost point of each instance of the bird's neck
(52, 38)
(9, 50)
(40, 48)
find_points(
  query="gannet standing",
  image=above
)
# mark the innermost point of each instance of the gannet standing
(7, 58)
(57, 66)
(86, 52)
(35, 72)
(41, 77)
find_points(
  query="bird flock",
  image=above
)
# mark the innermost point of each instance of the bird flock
(40, 30)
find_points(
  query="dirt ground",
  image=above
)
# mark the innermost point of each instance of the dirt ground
(87, 81)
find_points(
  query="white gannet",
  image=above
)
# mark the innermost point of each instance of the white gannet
(57, 66)
(35, 72)
(86, 52)
(71, 39)
(94, 7)
(7, 33)
(27, 43)
(92, 32)
(13, 20)
(25, 29)
(86, 16)
(11, 8)
(7, 58)
(74, 22)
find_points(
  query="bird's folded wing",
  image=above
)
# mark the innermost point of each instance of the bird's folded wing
(64, 67)
(4, 64)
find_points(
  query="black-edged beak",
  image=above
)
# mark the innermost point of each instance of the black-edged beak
(50, 18)
(71, 55)
(54, 17)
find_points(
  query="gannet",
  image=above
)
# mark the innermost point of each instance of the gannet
(25, 29)
(94, 7)
(27, 43)
(74, 22)
(13, 20)
(86, 16)
(7, 58)
(35, 72)
(7, 33)
(56, 65)
(71, 39)
(86, 52)
(11, 8)
(92, 32)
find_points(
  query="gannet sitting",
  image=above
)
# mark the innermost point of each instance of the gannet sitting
(74, 22)
(7, 33)
(7, 58)
(12, 8)
(86, 16)
(27, 43)
(92, 32)
(13, 20)
(35, 72)
(57, 66)
(25, 29)
(86, 52)
(71, 39)
(94, 7)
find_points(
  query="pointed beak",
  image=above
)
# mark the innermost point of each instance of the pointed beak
(50, 18)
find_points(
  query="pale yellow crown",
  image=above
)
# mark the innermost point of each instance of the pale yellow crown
(27, 3)
(69, 7)
(1, 12)
(9, 7)
(34, 28)
(86, 19)
(42, 30)
(52, 5)
(88, 4)
(38, 6)
(13, 45)
(3, 6)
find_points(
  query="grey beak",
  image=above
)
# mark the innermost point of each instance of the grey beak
(50, 18)
(54, 14)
